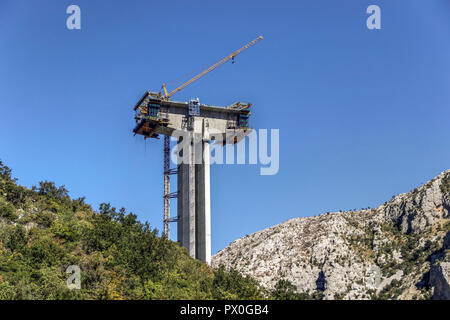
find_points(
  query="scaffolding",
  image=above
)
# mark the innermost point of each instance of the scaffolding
(167, 194)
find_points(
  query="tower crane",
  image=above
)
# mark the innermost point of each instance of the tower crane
(214, 66)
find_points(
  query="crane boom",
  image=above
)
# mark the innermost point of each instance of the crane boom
(230, 56)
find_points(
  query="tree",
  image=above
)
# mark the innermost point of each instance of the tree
(5, 172)
(49, 189)
(233, 285)
(285, 290)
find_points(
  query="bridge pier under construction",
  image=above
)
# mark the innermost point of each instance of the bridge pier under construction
(194, 202)
(195, 127)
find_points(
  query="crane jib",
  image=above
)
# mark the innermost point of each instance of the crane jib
(230, 56)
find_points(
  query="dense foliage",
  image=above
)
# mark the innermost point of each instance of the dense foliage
(43, 232)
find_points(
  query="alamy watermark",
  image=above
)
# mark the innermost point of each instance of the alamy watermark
(74, 280)
(74, 20)
(251, 147)
(374, 20)
(375, 277)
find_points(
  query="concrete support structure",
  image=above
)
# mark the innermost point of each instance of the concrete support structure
(211, 123)
(194, 204)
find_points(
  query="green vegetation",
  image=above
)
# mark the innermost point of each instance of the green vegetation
(43, 231)
(445, 185)
(285, 290)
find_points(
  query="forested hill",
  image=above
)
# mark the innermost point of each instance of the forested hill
(43, 232)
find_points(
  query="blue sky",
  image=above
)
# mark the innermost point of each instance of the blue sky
(363, 114)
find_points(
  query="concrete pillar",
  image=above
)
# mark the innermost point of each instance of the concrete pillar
(194, 225)
(186, 199)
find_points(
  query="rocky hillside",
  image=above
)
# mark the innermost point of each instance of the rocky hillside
(400, 250)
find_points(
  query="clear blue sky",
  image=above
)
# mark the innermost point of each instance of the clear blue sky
(363, 115)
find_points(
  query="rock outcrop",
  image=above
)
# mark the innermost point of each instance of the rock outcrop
(399, 250)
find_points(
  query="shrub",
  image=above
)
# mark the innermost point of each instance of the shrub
(445, 184)
(7, 210)
(6, 291)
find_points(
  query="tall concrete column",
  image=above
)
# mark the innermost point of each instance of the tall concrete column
(194, 213)
(186, 198)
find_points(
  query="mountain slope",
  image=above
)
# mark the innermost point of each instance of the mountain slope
(43, 232)
(399, 250)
